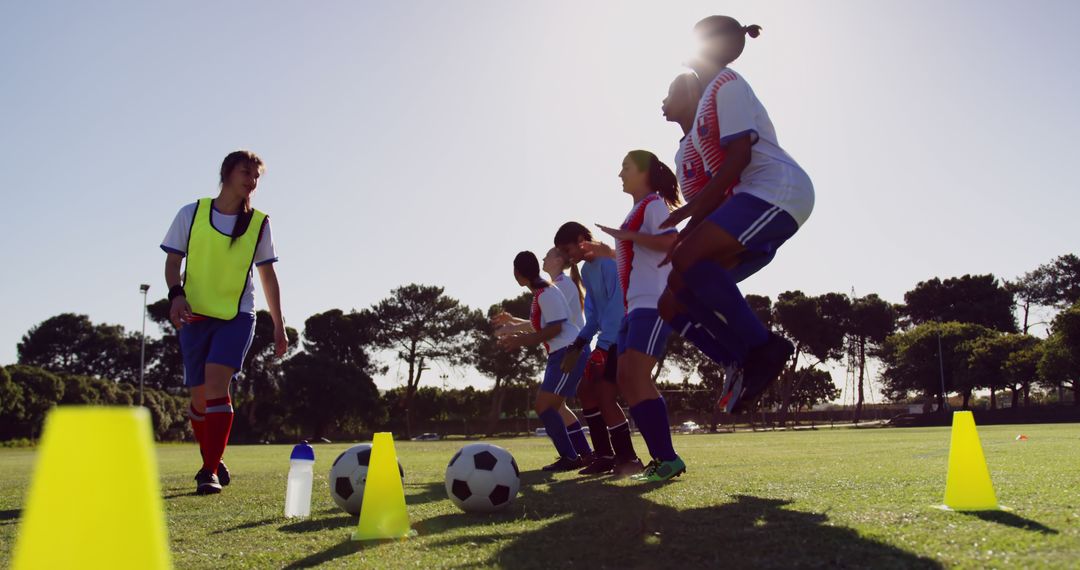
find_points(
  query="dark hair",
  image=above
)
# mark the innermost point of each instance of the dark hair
(660, 179)
(575, 276)
(733, 32)
(232, 160)
(570, 232)
(528, 266)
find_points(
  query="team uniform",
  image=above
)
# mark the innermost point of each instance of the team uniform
(570, 291)
(218, 286)
(773, 196)
(604, 310)
(208, 339)
(549, 307)
(643, 281)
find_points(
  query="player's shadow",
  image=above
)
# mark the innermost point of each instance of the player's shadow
(10, 516)
(428, 493)
(1012, 520)
(595, 524)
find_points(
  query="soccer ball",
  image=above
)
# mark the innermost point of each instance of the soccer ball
(482, 478)
(348, 475)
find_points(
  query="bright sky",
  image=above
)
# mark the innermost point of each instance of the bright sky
(430, 141)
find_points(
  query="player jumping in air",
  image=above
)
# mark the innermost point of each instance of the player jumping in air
(729, 239)
(212, 302)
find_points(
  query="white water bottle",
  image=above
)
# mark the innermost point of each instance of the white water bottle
(298, 489)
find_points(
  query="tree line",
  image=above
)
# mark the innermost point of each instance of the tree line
(953, 336)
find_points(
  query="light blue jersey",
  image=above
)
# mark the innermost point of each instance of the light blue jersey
(604, 308)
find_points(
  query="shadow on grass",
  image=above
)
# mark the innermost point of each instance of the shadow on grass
(429, 493)
(343, 548)
(178, 494)
(10, 516)
(636, 532)
(317, 525)
(1009, 519)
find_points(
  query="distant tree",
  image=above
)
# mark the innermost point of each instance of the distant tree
(321, 394)
(1002, 361)
(164, 362)
(41, 390)
(71, 343)
(700, 397)
(423, 325)
(504, 367)
(975, 299)
(762, 307)
(1055, 284)
(869, 322)
(813, 386)
(913, 363)
(11, 405)
(816, 325)
(257, 390)
(1059, 366)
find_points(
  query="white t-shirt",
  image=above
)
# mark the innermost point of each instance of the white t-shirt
(176, 241)
(728, 109)
(691, 170)
(641, 277)
(573, 299)
(552, 308)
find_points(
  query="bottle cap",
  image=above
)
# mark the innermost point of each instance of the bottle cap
(303, 451)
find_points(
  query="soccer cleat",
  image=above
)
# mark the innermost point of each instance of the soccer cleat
(628, 468)
(207, 483)
(564, 464)
(223, 474)
(659, 471)
(733, 381)
(647, 469)
(599, 466)
(763, 366)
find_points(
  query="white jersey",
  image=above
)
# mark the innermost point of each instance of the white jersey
(549, 307)
(573, 299)
(640, 275)
(176, 241)
(729, 109)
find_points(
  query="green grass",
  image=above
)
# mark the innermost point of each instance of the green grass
(828, 498)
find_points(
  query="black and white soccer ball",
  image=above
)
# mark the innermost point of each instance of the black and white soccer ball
(482, 478)
(348, 475)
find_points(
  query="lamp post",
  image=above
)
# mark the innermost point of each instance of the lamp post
(142, 351)
(941, 367)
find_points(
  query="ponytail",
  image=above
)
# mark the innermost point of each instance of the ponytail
(575, 276)
(526, 264)
(660, 178)
(753, 30)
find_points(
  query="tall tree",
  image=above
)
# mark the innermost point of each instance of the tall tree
(504, 367)
(1059, 366)
(73, 344)
(41, 390)
(1005, 361)
(976, 299)
(423, 326)
(816, 326)
(916, 358)
(869, 322)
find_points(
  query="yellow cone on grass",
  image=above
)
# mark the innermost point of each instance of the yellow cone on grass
(383, 514)
(968, 486)
(94, 499)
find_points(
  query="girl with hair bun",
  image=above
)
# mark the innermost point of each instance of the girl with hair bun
(754, 198)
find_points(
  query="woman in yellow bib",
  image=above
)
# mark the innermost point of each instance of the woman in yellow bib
(212, 301)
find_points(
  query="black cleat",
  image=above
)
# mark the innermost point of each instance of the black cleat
(599, 466)
(565, 464)
(207, 483)
(763, 366)
(223, 474)
(628, 468)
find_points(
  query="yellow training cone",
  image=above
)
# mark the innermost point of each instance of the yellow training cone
(382, 514)
(94, 500)
(968, 486)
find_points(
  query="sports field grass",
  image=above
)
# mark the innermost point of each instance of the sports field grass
(828, 498)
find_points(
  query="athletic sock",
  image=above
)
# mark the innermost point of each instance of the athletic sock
(198, 427)
(620, 440)
(577, 437)
(598, 431)
(717, 303)
(219, 417)
(652, 421)
(700, 337)
(556, 430)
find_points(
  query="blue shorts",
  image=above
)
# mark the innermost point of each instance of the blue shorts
(214, 341)
(644, 331)
(557, 382)
(758, 225)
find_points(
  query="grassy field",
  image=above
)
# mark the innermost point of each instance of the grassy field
(828, 498)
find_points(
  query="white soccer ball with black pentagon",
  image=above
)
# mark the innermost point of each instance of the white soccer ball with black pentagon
(482, 478)
(348, 475)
